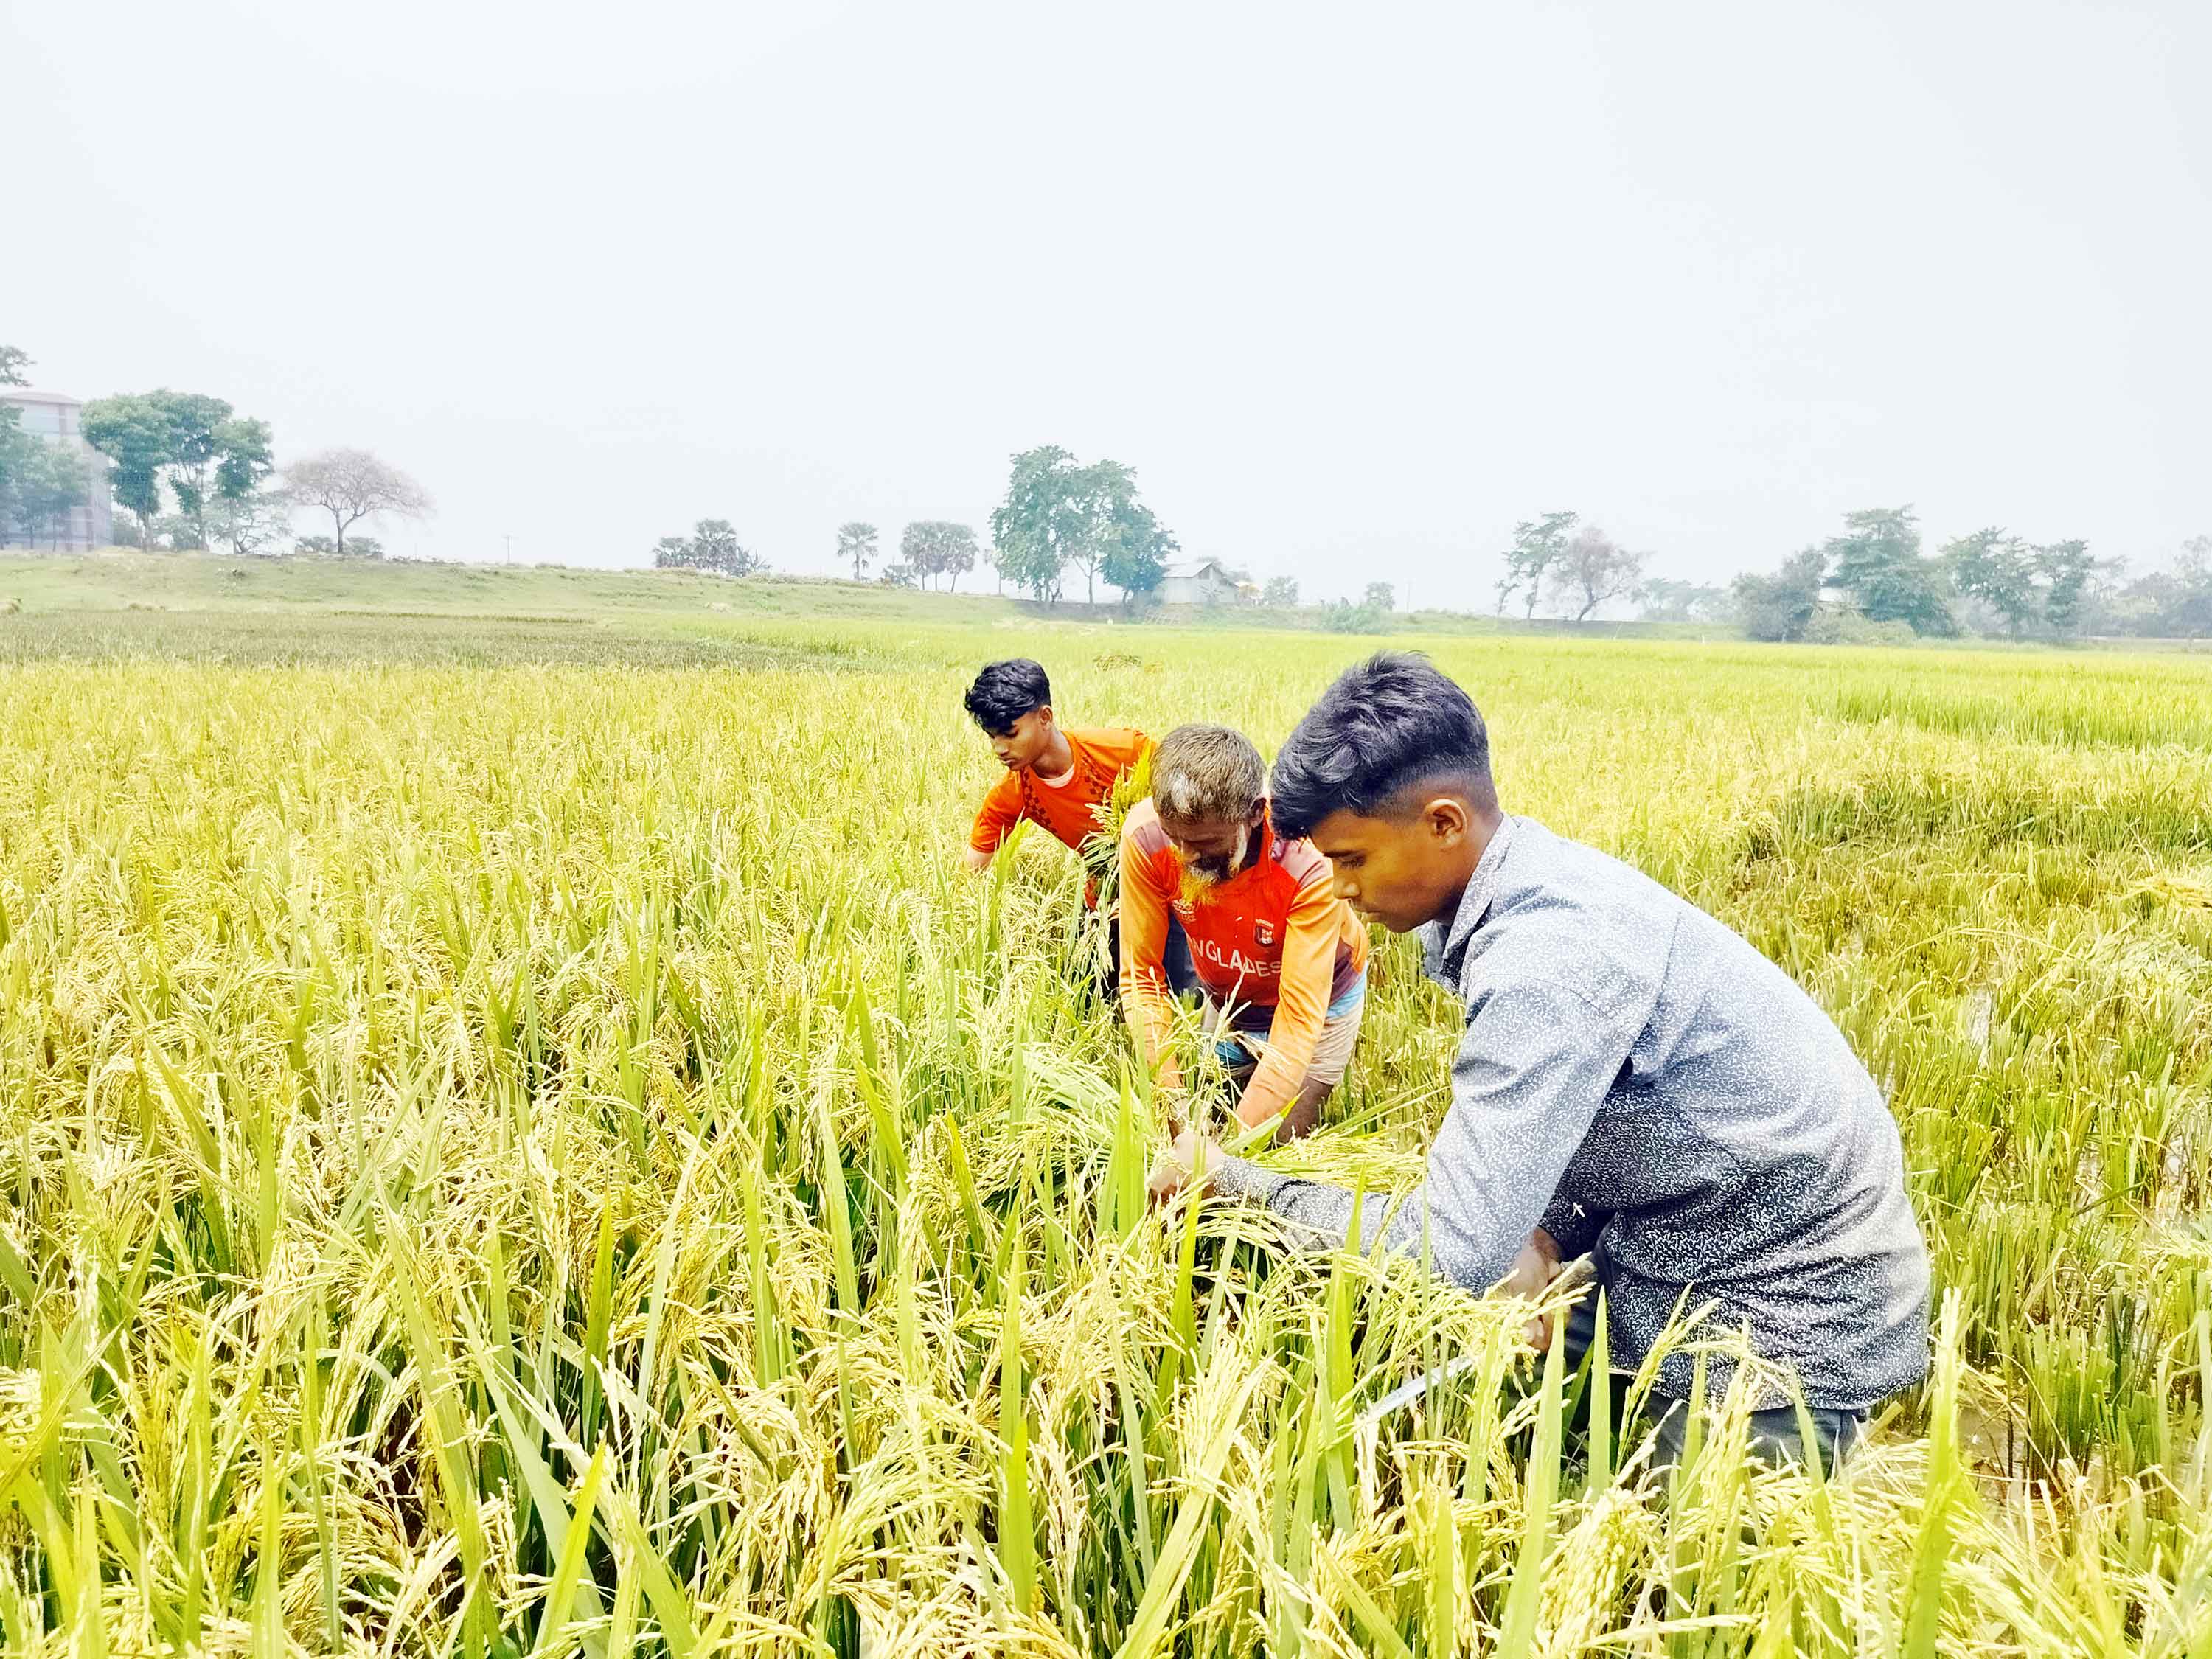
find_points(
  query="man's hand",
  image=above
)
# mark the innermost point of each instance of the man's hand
(1533, 1271)
(1178, 1169)
(975, 859)
(1176, 1105)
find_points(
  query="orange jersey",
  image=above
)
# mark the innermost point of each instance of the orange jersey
(1274, 942)
(1071, 813)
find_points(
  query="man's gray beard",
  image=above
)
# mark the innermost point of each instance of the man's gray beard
(1207, 876)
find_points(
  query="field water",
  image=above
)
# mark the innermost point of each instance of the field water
(554, 1158)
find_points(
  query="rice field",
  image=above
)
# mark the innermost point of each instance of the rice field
(552, 1159)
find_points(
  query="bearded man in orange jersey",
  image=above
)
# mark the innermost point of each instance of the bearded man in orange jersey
(1280, 961)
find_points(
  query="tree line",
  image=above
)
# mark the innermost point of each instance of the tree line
(1876, 582)
(1059, 516)
(189, 472)
(931, 548)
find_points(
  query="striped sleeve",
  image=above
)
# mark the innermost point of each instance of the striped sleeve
(1143, 911)
(1310, 937)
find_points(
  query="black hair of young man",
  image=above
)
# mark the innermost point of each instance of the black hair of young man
(1389, 723)
(1005, 692)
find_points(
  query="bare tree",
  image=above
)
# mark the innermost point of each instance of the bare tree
(352, 484)
(1593, 567)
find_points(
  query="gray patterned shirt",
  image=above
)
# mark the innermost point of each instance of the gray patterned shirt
(1640, 1080)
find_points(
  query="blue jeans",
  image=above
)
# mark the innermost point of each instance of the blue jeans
(1174, 961)
(1775, 1437)
(1232, 1051)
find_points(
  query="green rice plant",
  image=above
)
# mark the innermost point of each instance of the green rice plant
(555, 1160)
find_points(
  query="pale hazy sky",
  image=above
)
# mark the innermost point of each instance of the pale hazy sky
(1353, 288)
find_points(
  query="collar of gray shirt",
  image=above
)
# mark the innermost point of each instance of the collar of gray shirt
(1443, 948)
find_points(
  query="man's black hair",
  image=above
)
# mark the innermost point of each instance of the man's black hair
(1389, 723)
(1005, 692)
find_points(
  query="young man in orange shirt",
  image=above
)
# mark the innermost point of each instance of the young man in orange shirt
(1280, 960)
(1058, 777)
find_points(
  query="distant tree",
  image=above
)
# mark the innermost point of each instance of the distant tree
(1782, 606)
(1841, 624)
(1343, 616)
(1591, 569)
(1878, 564)
(1117, 530)
(1038, 525)
(959, 558)
(19, 452)
(2030, 588)
(2174, 603)
(194, 420)
(2105, 598)
(856, 541)
(1281, 592)
(351, 486)
(249, 523)
(134, 432)
(1058, 512)
(359, 547)
(2066, 570)
(1661, 598)
(1138, 545)
(1088, 547)
(2191, 613)
(1380, 596)
(1997, 569)
(52, 485)
(999, 571)
(190, 442)
(937, 547)
(244, 457)
(13, 362)
(712, 546)
(1537, 546)
(902, 574)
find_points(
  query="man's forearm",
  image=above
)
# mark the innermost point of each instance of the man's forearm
(1322, 1213)
(1145, 1008)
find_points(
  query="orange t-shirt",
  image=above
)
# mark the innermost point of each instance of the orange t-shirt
(1070, 811)
(1273, 941)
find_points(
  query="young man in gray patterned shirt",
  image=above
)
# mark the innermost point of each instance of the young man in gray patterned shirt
(1635, 1081)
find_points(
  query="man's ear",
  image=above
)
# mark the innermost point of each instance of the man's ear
(1259, 812)
(1448, 820)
